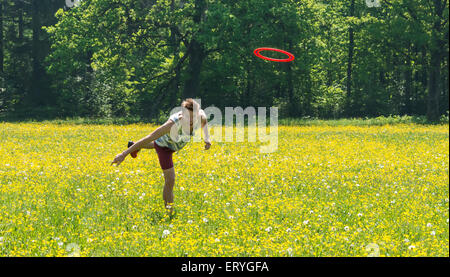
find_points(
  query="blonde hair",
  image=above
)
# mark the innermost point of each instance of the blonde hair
(190, 104)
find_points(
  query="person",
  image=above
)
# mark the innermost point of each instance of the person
(169, 138)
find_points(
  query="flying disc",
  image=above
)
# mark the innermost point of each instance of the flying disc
(288, 59)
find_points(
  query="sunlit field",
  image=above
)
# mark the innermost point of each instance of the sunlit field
(326, 191)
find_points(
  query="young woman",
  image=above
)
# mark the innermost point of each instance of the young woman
(168, 139)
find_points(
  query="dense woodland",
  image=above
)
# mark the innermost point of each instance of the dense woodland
(139, 58)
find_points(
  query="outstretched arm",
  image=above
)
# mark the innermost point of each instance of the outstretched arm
(159, 132)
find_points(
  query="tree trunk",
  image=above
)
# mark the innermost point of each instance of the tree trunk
(292, 104)
(248, 87)
(434, 88)
(351, 46)
(408, 83)
(36, 68)
(174, 86)
(196, 56)
(20, 23)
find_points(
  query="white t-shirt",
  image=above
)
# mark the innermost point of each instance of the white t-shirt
(179, 138)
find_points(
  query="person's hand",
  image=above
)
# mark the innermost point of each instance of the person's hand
(207, 145)
(118, 159)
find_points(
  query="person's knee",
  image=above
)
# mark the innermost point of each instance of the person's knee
(169, 178)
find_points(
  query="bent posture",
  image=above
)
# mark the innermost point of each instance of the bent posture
(169, 138)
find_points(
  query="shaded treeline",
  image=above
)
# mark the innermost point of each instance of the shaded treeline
(124, 58)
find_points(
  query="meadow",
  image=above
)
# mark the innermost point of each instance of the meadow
(327, 191)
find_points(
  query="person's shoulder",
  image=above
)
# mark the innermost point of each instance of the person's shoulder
(202, 113)
(176, 116)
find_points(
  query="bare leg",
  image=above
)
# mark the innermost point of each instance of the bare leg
(169, 178)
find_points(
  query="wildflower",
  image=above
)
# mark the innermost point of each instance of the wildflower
(166, 233)
(289, 251)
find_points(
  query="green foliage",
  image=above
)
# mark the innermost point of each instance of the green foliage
(141, 57)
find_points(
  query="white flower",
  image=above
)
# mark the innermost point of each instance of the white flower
(189, 221)
(217, 240)
(231, 217)
(346, 228)
(360, 214)
(268, 229)
(181, 188)
(406, 240)
(226, 233)
(166, 233)
(289, 251)
(288, 230)
(433, 233)
(205, 219)
(305, 222)
(411, 247)
(60, 244)
(228, 204)
(429, 225)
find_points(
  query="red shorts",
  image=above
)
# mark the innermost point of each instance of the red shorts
(164, 156)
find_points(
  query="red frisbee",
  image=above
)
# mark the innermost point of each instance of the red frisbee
(258, 54)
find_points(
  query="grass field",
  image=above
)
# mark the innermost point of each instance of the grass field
(327, 191)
